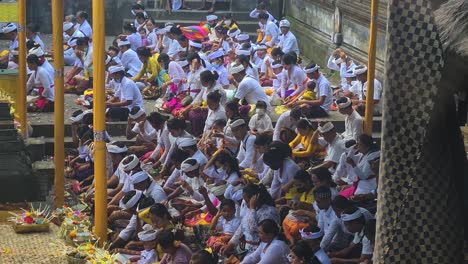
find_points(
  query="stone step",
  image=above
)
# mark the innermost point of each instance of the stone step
(47, 129)
(161, 13)
(49, 143)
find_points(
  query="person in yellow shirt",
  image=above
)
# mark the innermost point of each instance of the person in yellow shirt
(305, 144)
(151, 73)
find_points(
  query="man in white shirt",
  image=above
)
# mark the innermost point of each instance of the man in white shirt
(287, 40)
(129, 58)
(247, 87)
(353, 121)
(189, 145)
(129, 96)
(340, 62)
(334, 146)
(142, 129)
(270, 30)
(73, 34)
(83, 25)
(286, 120)
(359, 90)
(246, 150)
(143, 182)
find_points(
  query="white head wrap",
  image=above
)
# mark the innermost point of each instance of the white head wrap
(348, 74)
(351, 217)
(337, 60)
(123, 42)
(276, 66)
(134, 161)
(67, 26)
(211, 17)
(345, 104)
(216, 54)
(137, 114)
(183, 63)
(234, 33)
(9, 28)
(242, 37)
(139, 177)
(186, 142)
(313, 69)
(242, 52)
(311, 235)
(36, 51)
(111, 148)
(147, 235)
(360, 70)
(187, 167)
(79, 117)
(236, 68)
(326, 127)
(238, 122)
(284, 23)
(132, 202)
(195, 44)
(108, 59)
(72, 42)
(116, 68)
(261, 47)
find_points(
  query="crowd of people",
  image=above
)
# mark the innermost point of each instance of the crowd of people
(231, 162)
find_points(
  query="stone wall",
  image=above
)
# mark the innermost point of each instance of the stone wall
(323, 25)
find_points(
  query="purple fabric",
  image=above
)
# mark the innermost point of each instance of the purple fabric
(244, 111)
(287, 93)
(197, 119)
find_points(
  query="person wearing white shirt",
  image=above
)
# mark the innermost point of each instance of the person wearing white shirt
(217, 63)
(215, 111)
(32, 34)
(83, 25)
(353, 121)
(278, 158)
(129, 95)
(334, 144)
(270, 30)
(143, 182)
(359, 89)
(73, 34)
(247, 87)
(260, 121)
(142, 129)
(246, 150)
(324, 94)
(152, 37)
(340, 62)
(10, 31)
(44, 85)
(260, 9)
(196, 46)
(287, 40)
(177, 157)
(294, 75)
(129, 58)
(131, 34)
(311, 240)
(250, 69)
(259, 57)
(286, 120)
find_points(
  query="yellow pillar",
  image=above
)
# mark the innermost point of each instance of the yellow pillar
(21, 95)
(100, 179)
(371, 69)
(59, 153)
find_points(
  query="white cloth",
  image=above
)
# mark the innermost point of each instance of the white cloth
(322, 256)
(254, 14)
(163, 144)
(76, 34)
(135, 41)
(177, 74)
(246, 151)
(342, 68)
(156, 192)
(223, 75)
(131, 62)
(193, 80)
(129, 230)
(39, 41)
(200, 157)
(129, 91)
(201, 96)
(366, 244)
(217, 114)
(253, 72)
(173, 48)
(283, 176)
(276, 252)
(325, 218)
(334, 149)
(353, 126)
(86, 29)
(152, 40)
(360, 90)
(49, 68)
(149, 134)
(250, 89)
(228, 227)
(288, 43)
(284, 121)
(41, 78)
(148, 257)
(364, 172)
(296, 77)
(174, 146)
(173, 178)
(176, 4)
(260, 123)
(323, 88)
(273, 31)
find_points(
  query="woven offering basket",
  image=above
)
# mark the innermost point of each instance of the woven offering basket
(30, 228)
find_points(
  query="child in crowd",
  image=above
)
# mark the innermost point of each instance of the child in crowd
(260, 121)
(225, 223)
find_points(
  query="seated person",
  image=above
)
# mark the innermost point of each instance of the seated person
(223, 225)
(175, 252)
(305, 145)
(260, 121)
(176, 158)
(144, 132)
(312, 237)
(205, 256)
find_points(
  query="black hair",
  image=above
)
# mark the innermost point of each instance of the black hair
(220, 122)
(311, 65)
(175, 123)
(342, 100)
(33, 27)
(130, 27)
(263, 139)
(214, 96)
(311, 85)
(138, 6)
(269, 226)
(77, 113)
(227, 202)
(323, 174)
(31, 44)
(302, 250)
(277, 153)
(244, 59)
(264, 197)
(276, 52)
(145, 202)
(82, 41)
(156, 118)
(261, 104)
(296, 113)
(209, 76)
(144, 52)
(164, 59)
(87, 119)
(175, 30)
(82, 14)
(160, 210)
(205, 257)
(368, 141)
(182, 38)
(134, 110)
(33, 58)
(369, 229)
(233, 164)
(289, 58)
(352, 210)
(198, 42)
(179, 155)
(264, 16)
(120, 145)
(150, 19)
(304, 124)
(303, 176)
(261, 6)
(276, 62)
(322, 190)
(140, 15)
(191, 161)
(233, 106)
(129, 195)
(114, 48)
(167, 237)
(341, 202)
(195, 56)
(82, 129)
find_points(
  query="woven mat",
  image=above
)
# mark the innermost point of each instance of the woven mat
(30, 248)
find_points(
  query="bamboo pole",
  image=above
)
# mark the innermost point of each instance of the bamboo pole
(21, 95)
(100, 179)
(59, 153)
(368, 119)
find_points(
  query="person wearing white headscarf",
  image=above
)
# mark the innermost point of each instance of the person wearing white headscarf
(340, 62)
(71, 33)
(353, 120)
(287, 40)
(129, 58)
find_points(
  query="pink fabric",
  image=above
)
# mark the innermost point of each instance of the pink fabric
(147, 155)
(348, 192)
(41, 102)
